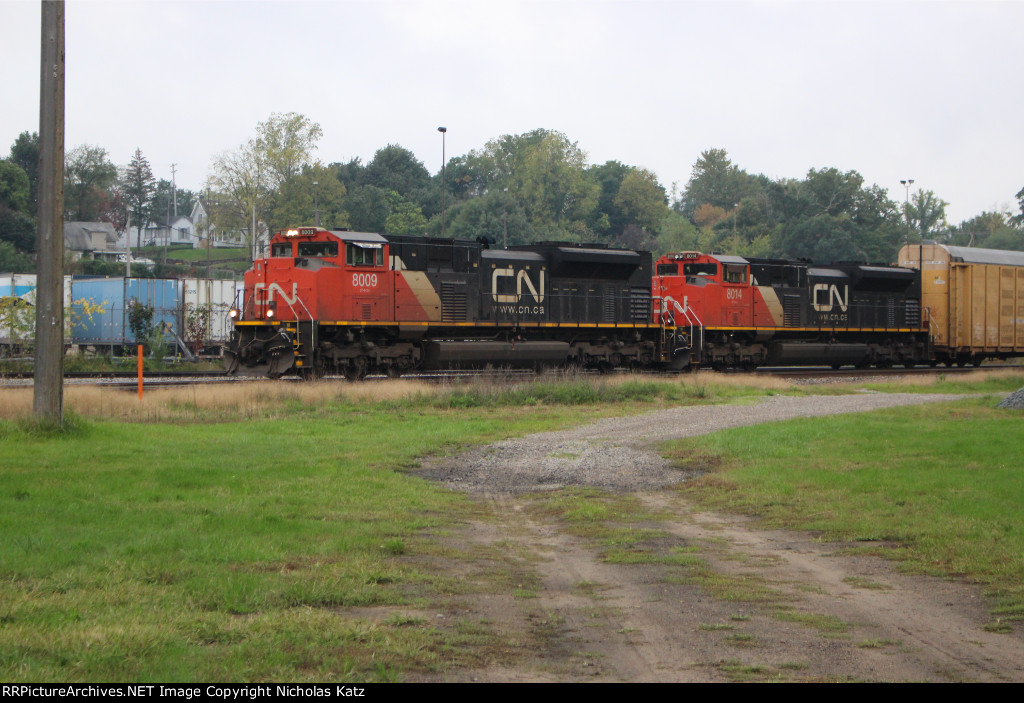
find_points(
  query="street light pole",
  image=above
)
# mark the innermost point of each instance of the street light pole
(316, 205)
(444, 187)
(906, 204)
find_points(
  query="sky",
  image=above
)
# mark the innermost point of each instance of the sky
(917, 89)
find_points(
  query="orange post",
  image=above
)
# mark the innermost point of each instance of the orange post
(140, 372)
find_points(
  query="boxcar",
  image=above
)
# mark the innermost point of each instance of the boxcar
(973, 300)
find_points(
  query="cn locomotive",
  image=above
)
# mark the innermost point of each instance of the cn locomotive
(357, 303)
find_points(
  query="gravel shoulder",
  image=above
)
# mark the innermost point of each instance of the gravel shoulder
(824, 616)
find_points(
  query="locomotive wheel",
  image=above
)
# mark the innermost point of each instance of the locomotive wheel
(908, 363)
(949, 363)
(394, 371)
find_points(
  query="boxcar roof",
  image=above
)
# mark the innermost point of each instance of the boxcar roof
(972, 255)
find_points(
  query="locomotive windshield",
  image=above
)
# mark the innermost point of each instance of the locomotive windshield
(321, 249)
(283, 249)
(700, 269)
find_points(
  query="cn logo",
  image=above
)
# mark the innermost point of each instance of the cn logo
(827, 295)
(266, 293)
(501, 286)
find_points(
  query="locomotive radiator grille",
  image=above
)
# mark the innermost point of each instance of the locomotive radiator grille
(608, 305)
(640, 305)
(913, 313)
(453, 303)
(790, 310)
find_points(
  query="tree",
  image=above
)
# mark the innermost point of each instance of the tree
(496, 215)
(1019, 218)
(247, 179)
(287, 142)
(297, 201)
(926, 214)
(714, 180)
(990, 230)
(25, 153)
(14, 186)
(164, 197)
(88, 176)
(642, 199)
(396, 168)
(137, 187)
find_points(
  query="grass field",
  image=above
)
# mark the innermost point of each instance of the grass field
(939, 487)
(249, 533)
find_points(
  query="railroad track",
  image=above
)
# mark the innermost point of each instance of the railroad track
(169, 379)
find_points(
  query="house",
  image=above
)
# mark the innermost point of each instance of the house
(96, 240)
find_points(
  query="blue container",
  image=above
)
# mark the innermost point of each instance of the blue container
(116, 295)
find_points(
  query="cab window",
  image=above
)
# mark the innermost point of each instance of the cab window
(735, 274)
(364, 255)
(668, 269)
(700, 269)
(281, 249)
(318, 249)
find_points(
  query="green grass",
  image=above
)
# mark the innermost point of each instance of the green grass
(938, 486)
(230, 551)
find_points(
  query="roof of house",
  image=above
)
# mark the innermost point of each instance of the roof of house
(78, 236)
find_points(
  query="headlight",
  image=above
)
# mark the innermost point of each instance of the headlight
(234, 313)
(270, 313)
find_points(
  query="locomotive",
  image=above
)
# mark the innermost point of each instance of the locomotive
(729, 311)
(356, 303)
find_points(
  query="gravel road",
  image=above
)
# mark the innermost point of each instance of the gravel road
(616, 453)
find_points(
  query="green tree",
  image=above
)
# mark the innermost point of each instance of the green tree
(396, 168)
(297, 200)
(88, 176)
(716, 181)
(137, 187)
(496, 215)
(1019, 218)
(14, 187)
(248, 179)
(287, 142)
(642, 199)
(990, 230)
(17, 221)
(25, 153)
(831, 216)
(926, 215)
(164, 196)
(14, 260)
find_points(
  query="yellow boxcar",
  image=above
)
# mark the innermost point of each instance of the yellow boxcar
(973, 299)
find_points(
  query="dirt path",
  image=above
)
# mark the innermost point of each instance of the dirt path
(727, 601)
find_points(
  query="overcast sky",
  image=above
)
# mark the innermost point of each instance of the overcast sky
(895, 90)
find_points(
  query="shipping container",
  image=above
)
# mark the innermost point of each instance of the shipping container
(18, 309)
(205, 312)
(110, 327)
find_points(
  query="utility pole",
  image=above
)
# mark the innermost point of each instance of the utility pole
(174, 189)
(48, 389)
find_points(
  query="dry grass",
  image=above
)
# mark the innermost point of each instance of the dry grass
(223, 401)
(244, 400)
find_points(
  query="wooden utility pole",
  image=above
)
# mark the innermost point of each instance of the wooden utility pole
(48, 397)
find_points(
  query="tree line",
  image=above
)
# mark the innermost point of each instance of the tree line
(516, 189)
